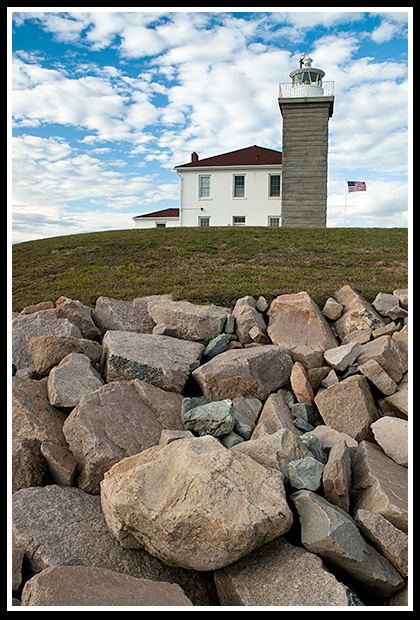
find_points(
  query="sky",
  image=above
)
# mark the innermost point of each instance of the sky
(104, 103)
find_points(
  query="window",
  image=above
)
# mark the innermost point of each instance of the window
(203, 221)
(160, 224)
(275, 185)
(238, 220)
(203, 186)
(273, 220)
(239, 186)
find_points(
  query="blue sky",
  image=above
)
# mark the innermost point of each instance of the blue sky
(106, 102)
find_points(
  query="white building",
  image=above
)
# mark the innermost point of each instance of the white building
(256, 186)
(239, 188)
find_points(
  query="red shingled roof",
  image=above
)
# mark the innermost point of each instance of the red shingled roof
(250, 156)
(162, 213)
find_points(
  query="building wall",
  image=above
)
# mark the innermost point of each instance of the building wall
(149, 222)
(305, 154)
(221, 206)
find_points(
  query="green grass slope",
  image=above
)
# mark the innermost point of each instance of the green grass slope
(210, 265)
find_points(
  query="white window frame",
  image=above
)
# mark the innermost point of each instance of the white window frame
(202, 195)
(160, 224)
(273, 174)
(203, 217)
(234, 187)
(274, 217)
(236, 217)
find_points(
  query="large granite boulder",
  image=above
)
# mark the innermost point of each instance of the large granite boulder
(193, 503)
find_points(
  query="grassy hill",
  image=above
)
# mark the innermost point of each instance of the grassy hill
(210, 265)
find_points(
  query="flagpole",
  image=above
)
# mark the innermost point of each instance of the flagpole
(345, 204)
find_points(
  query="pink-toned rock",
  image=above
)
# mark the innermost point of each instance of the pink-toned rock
(388, 539)
(377, 375)
(279, 574)
(29, 468)
(48, 351)
(42, 305)
(274, 416)
(392, 435)
(301, 386)
(118, 420)
(297, 323)
(348, 407)
(79, 314)
(380, 485)
(67, 586)
(336, 478)
(73, 377)
(388, 355)
(131, 316)
(61, 463)
(330, 436)
(252, 372)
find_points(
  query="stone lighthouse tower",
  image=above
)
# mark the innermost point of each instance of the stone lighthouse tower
(306, 105)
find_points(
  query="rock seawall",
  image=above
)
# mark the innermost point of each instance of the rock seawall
(206, 456)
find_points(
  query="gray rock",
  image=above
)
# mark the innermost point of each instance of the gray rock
(25, 327)
(305, 473)
(251, 372)
(388, 305)
(280, 574)
(120, 315)
(64, 526)
(79, 314)
(337, 476)
(215, 418)
(306, 412)
(342, 357)
(73, 377)
(118, 420)
(197, 323)
(216, 346)
(332, 534)
(248, 317)
(160, 360)
(315, 446)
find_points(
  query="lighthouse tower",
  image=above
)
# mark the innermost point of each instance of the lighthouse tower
(306, 104)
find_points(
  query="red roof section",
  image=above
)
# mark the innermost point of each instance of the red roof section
(162, 213)
(249, 156)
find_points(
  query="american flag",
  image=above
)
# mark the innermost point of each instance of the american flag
(356, 186)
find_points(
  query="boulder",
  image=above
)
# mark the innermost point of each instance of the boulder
(332, 309)
(48, 351)
(251, 372)
(61, 463)
(330, 436)
(336, 479)
(388, 305)
(64, 526)
(392, 435)
(378, 377)
(349, 407)
(246, 412)
(73, 377)
(297, 323)
(118, 420)
(275, 416)
(380, 485)
(197, 323)
(194, 503)
(385, 537)
(29, 468)
(387, 353)
(25, 327)
(68, 586)
(280, 574)
(214, 418)
(32, 415)
(160, 360)
(300, 384)
(305, 473)
(358, 313)
(332, 534)
(247, 318)
(114, 314)
(341, 357)
(79, 314)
